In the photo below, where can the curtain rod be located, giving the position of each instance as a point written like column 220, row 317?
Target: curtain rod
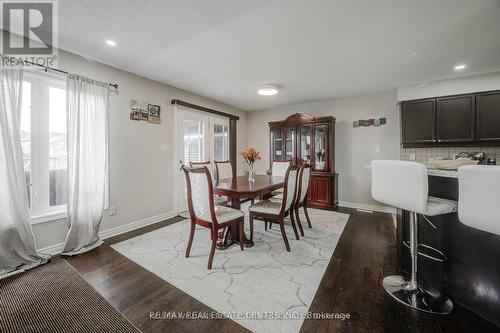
column 114, row 85
column 202, row 108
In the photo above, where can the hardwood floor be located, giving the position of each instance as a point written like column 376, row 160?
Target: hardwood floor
column 366, row 252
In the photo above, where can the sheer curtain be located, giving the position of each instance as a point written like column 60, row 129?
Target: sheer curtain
column 87, row 102
column 17, row 243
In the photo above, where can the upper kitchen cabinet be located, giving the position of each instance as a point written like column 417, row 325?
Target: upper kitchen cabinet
column 488, row 116
column 455, row 118
column 444, row 121
column 418, row 119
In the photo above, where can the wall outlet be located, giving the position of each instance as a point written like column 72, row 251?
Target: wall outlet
column 412, row 157
column 112, row 210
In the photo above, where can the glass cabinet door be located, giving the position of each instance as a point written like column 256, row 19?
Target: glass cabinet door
column 320, row 147
column 305, row 144
column 289, row 143
column 277, row 145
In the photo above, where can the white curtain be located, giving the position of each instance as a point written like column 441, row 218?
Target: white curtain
column 87, row 104
column 17, row 243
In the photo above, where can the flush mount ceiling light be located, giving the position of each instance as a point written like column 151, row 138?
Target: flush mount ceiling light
column 460, row 67
column 267, row 90
column 111, row 42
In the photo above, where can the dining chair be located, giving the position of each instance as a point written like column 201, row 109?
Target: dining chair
column 207, row 164
column 279, row 168
column 274, row 212
column 304, row 176
column 218, row 199
column 223, row 169
column 203, row 212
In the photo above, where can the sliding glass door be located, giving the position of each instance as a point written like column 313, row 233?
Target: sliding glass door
column 219, row 137
column 200, row 138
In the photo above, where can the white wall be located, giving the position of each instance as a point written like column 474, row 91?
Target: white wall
column 141, row 174
column 456, row 86
column 354, row 147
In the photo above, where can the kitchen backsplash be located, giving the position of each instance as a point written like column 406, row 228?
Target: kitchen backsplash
column 422, row 155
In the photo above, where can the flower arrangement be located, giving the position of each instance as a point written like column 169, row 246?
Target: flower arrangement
column 250, row 155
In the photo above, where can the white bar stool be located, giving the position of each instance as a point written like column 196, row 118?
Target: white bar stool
column 404, row 185
column 479, row 197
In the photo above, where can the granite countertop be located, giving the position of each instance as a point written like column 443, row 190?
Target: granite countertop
column 442, row 173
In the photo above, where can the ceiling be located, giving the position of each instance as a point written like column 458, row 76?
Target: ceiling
column 313, row 49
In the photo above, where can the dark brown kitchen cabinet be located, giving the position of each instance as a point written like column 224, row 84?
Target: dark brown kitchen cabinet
column 418, row 119
column 301, row 138
column 488, row 116
column 444, row 121
column 455, row 118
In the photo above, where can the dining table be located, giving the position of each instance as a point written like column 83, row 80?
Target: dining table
column 239, row 189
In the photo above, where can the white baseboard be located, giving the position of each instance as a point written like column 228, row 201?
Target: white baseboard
column 108, row 233
column 52, row 249
column 135, row 225
column 354, row 205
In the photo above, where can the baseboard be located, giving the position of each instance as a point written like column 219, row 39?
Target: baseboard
column 108, row 233
column 52, row 249
column 135, row 225
column 375, row 208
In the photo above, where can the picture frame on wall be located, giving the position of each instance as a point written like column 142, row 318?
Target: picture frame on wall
column 154, row 113
column 140, row 110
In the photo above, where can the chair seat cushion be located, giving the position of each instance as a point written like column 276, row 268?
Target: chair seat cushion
column 278, row 196
column 266, row 207
column 275, row 199
column 439, row 206
column 226, row 214
column 220, row 201
column 277, row 192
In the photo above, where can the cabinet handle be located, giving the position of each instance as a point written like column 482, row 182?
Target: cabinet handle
column 439, row 140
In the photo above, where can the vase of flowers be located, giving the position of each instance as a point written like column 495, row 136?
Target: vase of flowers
column 250, row 155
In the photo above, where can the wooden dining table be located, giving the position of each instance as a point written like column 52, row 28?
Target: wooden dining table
column 239, row 189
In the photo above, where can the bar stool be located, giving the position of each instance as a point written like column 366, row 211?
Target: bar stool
column 479, row 196
column 404, row 185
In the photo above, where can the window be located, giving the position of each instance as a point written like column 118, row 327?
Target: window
column 221, row 142
column 44, row 142
column 193, row 141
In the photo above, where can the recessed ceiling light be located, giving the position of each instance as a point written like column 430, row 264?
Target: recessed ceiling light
column 459, row 67
column 267, row 90
column 111, row 42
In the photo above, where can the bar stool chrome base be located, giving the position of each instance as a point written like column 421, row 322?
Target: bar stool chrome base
column 425, row 299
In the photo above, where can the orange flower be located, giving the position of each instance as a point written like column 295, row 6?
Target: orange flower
column 250, row 155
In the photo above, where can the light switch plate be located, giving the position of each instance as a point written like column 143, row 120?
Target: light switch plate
column 412, row 157
column 112, row 210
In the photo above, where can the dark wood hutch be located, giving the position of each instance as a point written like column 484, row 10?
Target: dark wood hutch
column 301, row 138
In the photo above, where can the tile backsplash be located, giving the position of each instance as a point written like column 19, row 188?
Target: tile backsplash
column 422, row 155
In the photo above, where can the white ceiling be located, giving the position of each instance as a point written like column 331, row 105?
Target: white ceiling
column 313, row 49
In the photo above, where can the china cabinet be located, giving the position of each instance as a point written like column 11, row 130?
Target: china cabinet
column 301, row 138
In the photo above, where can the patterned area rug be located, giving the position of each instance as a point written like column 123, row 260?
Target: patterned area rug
column 54, row 298
column 263, row 288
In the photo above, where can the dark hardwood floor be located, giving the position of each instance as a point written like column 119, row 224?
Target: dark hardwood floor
column 366, row 252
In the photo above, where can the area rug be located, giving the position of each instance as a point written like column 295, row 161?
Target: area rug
column 263, row 288
column 54, row 298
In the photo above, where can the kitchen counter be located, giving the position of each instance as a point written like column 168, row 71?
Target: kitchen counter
column 442, row 173
column 471, row 274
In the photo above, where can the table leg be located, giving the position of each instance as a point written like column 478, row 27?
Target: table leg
column 231, row 235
